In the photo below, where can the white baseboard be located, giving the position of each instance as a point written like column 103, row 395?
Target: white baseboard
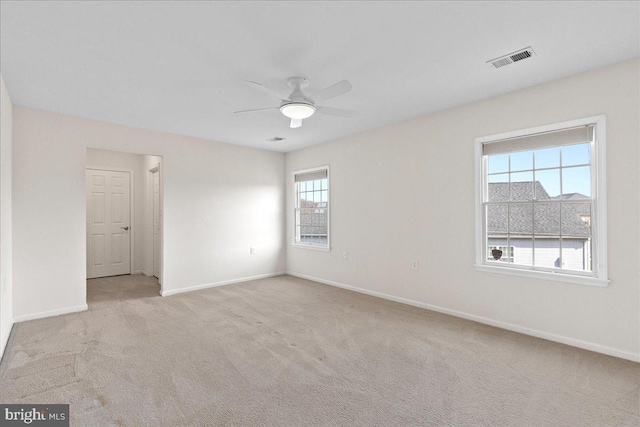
column 50, row 313
column 144, row 273
column 216, row 284
column 598, row 348
column 3, row 344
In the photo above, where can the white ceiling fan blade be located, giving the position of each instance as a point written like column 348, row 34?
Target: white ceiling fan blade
column 339, row 112
column 256, row 109
column 295, row 123
column 268, row 90
column 332, row 91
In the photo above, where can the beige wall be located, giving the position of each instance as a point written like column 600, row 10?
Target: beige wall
column 6, row 284
column 219, row 200
column 406, row 192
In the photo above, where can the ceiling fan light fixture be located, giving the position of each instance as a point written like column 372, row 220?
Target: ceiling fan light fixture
column 298, row 110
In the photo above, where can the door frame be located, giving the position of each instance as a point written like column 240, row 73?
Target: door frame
column 150, row 172
column 132, row 219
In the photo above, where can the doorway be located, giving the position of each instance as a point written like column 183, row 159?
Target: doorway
column 123, row 220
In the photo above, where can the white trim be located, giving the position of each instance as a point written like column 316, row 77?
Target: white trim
column 586, row 345
column 599, row 197
column 144, row 273
column 544, row 275
column 50, row 313
column 3, row 345
column 221, row 283
column 312, row 246
column 108, row 168
column 327, row 247
column 132, row 217
column 150, row 172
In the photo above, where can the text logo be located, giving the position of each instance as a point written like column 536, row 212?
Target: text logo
column 34, row 415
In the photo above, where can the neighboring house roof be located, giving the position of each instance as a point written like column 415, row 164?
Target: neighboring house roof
column 543, row 217
column 499, row 191
column 571, row 196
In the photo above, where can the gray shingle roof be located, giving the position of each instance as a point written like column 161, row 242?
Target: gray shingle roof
column 539, row 218
column 499, row 191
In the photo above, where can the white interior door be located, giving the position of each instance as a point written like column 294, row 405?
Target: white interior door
column 108, row 223
column 156, row 224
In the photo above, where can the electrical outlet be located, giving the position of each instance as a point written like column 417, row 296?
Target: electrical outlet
column 252, row 251
column 345, row 255
column 414, row 264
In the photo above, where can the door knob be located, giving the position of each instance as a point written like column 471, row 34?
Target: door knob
column 125, row 228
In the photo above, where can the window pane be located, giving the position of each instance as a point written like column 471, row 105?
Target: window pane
column 522, row 161
column 324, row 184
column 522, row 186
column 547, row 184
column 320, row 222
column 521, row 218
column 498, row 188
column 306, row 219
column 576, row 182
column 547, row 252
column 547, row 158
column 324, row 196
column 576, row 254
column 576, row 219
column 317, row 184
column 546, row 218
column 498, row 251
column 497, row 218
column 522, row 250
column 576, row 154
column 499, row 163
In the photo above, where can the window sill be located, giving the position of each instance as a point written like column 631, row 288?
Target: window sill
column 544, row 275
column 312, row 247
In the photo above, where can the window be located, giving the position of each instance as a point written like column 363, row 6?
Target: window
column 312, row 208
column 541, row 202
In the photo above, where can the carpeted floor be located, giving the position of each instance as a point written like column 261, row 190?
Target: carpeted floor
column 290, row 352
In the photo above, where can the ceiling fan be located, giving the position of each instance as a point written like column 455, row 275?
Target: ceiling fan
column 298, row 106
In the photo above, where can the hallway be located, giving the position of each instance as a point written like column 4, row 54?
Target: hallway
column 103, row 291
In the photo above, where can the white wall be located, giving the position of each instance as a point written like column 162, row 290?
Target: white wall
column 406, row 192
column 219, row 200
column 6, row 284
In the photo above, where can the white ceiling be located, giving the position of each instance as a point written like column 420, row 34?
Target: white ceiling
column 178, row 67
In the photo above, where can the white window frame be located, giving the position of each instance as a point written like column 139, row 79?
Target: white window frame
column 599, row 275
column 313, row 246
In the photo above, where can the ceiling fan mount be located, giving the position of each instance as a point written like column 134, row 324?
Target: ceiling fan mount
column 298, row 82
column 297, row 106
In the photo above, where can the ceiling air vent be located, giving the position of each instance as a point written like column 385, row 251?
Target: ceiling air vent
column 276, row 139
column 510, row 58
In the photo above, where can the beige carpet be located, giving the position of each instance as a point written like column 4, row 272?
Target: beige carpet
column 289, row 352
